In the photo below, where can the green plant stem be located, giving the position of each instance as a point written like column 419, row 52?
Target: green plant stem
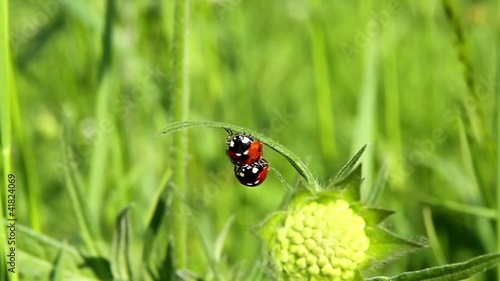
column 392, row 107
column 103, row 116
column 291, row 157
column 5, row 126
column 497, row 95
column 432, row 235
column 28, row 154
column 324, row 107
column 180, row 112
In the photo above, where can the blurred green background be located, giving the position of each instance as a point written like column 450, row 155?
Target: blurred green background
column 412, row 78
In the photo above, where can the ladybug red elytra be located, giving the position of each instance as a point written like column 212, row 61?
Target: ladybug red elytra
column 243, row 149
column 252, row 174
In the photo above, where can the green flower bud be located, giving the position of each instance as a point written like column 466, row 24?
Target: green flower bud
column 327, row 241
column 326, row 233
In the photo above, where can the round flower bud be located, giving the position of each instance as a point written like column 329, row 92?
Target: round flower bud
column 327, row 241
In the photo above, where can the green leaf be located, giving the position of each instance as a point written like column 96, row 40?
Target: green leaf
column 377, row 189
column 45, row 255
column 213, row 253
column 385, row 245
column 208, row 251
column 221, row 239
column 57, row 272
column 79, row 200
column 350, row 185
column 374, row 216
column 450, row 272
column 120, row 263
column 349, row 165
column 358, row 276
column 157, row 215
column 291, row 157
column 267, row 229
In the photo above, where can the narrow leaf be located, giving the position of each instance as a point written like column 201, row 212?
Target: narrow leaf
column 385, row 245
column 351, row 184
column 157, row 216
column 374, row 216
column 350, row 164
column 377, row 189
column 57, row 274
column 450, row 272
column 291, row 157
column 221, row 239
column 41, row 269
column 76, row 191
column 121, row 250
column 40, row 252
column 208, row 251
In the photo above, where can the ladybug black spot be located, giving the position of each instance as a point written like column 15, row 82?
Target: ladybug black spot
column 252, row 174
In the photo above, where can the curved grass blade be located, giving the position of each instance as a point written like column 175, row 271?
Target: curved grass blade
column 121, row 265
column 291, row 157
column 450, row 272
column 57, row 274
column 49, row 259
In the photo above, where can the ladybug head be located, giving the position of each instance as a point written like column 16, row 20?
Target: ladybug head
column 239, row 143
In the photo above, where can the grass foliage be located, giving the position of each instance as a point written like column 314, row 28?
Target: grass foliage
column 85, row 85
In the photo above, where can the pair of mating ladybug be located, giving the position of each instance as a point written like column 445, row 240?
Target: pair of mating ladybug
column 246, row 154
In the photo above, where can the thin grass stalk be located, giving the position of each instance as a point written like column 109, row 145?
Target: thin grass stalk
column 364, row 130
column 479, row 149
column 75, row 190
column 366, row 119
column 497, row 95
column 324, row 106
column 104, row 118
column 437, row 249
column 392, row 105
column 6, row 130
column 180, row 112
column 28, row 155
column 476, row 117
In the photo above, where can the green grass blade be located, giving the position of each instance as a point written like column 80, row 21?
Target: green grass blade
column 291, row 157
column 467, row 209
column 497, row 95
column 392, row 116
column 364, row 130
column 209, row 254
column 121, row 249
column 75, row 189
column 156, row 216
column 451, row 272
column 221, row 239
column 324, row 105
column 5, row 125
column 104, row 118
column 107, row 39
column 42, row 253
column 180, row 110
column 433, row 237
column 57, row 271
column 378, row 188
column 28, row 155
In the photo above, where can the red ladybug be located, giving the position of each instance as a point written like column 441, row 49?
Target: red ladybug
column 252, row 174
column 243, row 149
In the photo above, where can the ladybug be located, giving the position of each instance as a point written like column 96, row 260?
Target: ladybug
column 243, row 149
column 252, row 174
